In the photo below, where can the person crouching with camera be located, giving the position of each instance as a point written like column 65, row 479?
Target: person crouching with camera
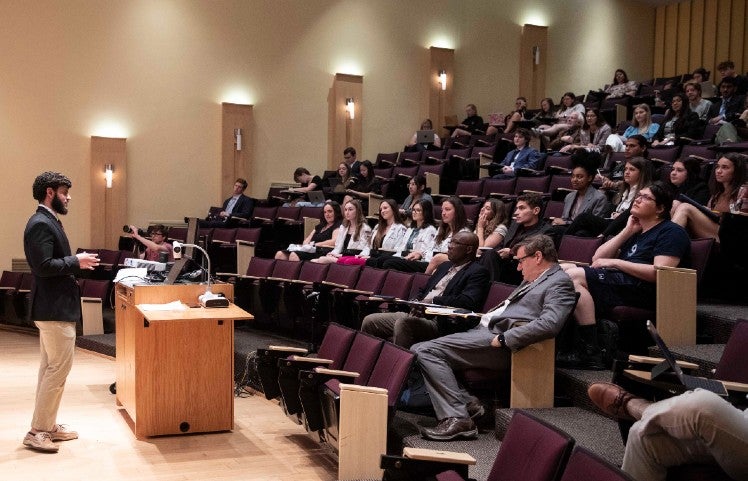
column 156, row 248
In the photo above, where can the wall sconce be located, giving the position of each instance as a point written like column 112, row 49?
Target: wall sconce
column 108, row 172
column 350, row 107
column 238, row 139
column 443, row 79
column 536, row 55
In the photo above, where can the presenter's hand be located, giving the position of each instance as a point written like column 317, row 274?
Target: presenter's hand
column 86, row 260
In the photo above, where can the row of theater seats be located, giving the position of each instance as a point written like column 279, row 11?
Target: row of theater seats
column 16, row 303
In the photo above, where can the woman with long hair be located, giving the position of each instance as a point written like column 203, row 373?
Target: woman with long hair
column 453, row 221
column 621, row 85
column 325, row 234
column 685, row 178
column 386, row 236
column 641, row 124
column 418, row 240
column 568, row 106
column 520, row 108
column 353, row 234
column 727, row 185
column 416, row 192
column 679, row 122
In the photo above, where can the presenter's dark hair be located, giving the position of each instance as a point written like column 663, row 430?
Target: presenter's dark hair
column 48, row 179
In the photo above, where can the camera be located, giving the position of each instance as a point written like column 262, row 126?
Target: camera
column 141, row 232
column 177, row 249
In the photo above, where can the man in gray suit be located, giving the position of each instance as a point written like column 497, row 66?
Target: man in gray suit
column 55, row 305
column 535, row 311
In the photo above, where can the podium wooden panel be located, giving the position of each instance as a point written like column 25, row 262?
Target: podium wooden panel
column 175, row 369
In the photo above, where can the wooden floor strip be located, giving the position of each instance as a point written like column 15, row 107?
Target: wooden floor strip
column 264, row 445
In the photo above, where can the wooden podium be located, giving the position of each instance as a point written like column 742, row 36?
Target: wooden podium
column 175, row 369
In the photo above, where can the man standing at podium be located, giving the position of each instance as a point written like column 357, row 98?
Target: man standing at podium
column 55, row 305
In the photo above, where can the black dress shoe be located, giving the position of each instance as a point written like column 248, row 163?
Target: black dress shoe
column 451, row 428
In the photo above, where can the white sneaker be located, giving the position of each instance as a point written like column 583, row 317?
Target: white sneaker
column 62, row 432
column 40, row 442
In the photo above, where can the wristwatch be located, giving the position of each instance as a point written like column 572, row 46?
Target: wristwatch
column 502, row 341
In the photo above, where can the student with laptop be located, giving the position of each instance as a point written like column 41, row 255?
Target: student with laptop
column 311, row 187
column 697, row 426
column 425, row 138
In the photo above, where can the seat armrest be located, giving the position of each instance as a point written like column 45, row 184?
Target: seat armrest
column 357, row 292
column 289, row 349
column 244, row 242
column 656, row 360
column 336, row 372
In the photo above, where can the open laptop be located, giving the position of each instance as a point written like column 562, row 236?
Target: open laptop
column 316, row 196
column 691, row 382
column 175, row 270
column 425, row 137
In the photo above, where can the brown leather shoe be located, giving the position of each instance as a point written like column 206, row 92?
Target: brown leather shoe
column 611, row 399
column 451, row 428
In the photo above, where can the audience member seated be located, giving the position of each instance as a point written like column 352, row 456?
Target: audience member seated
column 526, row 223
column 635, row 146
column 490, row 229
column 726, row 70
column 343, row 179
column 568, row 106
column 679, row 122
column 520, row 107
column 725, row 184
column 453, row 220
column 621, row 86
column 436, row 143
column 594, row 133
column 641, row 125
column 238, row 206
column 349, row 157
column 698, row 105
column 366, row 183
column 727, row 110
column 308, row 183
column 535, row 311
column 419, row 238
column 523, row 156
column 387, row 235
column 697, row 426
column 473, row 123
column 547, row 111
column 637, row 174
column 685, row 178
column 623, row 268
column 156, row 248
column 416, row 192
column 325, row 234
column 585, row 199
column 461, row 283
column 701, row 77
column 353, row 234
column 569, row 136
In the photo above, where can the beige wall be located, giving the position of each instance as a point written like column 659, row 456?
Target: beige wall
column 156, row 71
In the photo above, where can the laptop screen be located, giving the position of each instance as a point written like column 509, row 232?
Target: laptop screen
column 425, row 137
column 665, row 351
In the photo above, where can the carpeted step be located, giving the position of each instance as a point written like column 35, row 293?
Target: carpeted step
column 595, row 432
column 101, row 343
column 716, row 321
column 573, row 383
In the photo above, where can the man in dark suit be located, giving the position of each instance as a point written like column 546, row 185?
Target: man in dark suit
column 731, row 104
column 522, row 157
column 55, row 305
column 238, row 206
column 460, row 282
column 535, row 311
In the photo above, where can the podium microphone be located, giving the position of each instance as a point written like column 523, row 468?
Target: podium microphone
column 208, row 299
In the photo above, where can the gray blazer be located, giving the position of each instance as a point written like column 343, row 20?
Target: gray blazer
column 537, row 312
column 594, row 202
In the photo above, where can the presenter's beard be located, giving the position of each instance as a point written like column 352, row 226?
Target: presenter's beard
column 58, row 206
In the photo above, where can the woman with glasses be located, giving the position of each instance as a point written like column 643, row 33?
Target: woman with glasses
column 417, row 241
column 594, row 133
column 156, row 245
column 623, row 270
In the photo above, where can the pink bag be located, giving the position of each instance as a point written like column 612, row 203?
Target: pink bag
column 351, row 261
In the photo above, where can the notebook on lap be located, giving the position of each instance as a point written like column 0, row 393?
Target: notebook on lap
column 691, row 382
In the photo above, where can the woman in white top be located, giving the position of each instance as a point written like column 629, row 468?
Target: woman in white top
column 568, row 106
column 418, row 239
column 490, row 229
column 353, row 234
column 387, row 234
